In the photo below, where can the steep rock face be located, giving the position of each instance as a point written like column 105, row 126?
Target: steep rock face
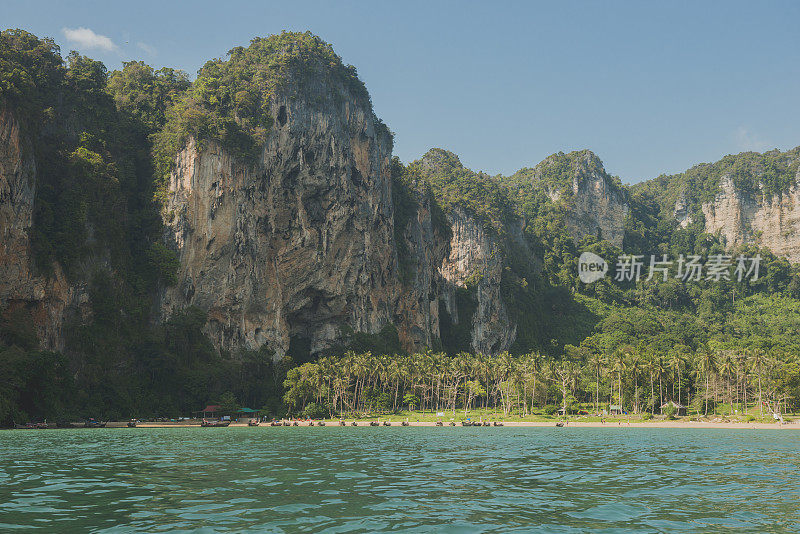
column 597, row 208
column 471, row 256
column 476, row 259
column 597, row 211
column 769, row 221
column 594, row 203
column 47, row 299
column 299, row 244
column 417, row 307
column 681, row 211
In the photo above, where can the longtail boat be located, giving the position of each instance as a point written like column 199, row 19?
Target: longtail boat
column 32, row 426
column 93, row 423
column 214, row 424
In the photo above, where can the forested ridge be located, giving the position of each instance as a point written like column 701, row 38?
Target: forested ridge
column 104, row 142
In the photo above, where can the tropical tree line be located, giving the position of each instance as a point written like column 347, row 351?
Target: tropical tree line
column 628, row 380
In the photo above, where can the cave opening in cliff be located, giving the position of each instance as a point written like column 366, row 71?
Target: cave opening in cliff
column 282, row 115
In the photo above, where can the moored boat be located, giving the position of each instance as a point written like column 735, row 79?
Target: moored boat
column 252, row 423
column 132, row 423
column 32, row 426
column 214, row 424
column 94, row 423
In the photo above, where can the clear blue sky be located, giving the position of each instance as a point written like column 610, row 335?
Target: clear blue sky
column 651, row 87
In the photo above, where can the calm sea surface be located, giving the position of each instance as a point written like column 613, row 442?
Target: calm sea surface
column 399, row 479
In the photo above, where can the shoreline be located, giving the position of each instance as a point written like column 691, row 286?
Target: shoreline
column 509, row 424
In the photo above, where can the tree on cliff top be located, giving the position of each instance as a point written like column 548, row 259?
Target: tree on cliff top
column 231, row 100
column 30, row 70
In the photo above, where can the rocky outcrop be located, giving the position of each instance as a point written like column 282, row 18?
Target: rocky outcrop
column 469, row 257
column 298, row 245
column 681, row 211
column 596, row 206
column 476, row 261
column 769, row 221
column 47, row 299
column 594, row 203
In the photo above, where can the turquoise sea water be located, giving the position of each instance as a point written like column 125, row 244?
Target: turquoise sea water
column 369, row 479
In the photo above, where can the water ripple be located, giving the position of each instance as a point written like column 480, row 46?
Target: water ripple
column 409, row 479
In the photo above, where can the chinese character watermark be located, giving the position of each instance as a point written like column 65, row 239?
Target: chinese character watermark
column 631, row 268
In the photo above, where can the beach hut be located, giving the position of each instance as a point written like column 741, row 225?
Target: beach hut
column 615, row 409
column 245, row 415
column 680, row 409
column 209, row 411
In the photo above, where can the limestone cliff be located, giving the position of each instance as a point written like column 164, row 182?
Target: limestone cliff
column 747, row 198
column 422, row 246
column 474, row 257
column 597, row 207
column 47, row 298
column 771, row 221
column 476, row 261
column 298, row 245
column 594, row 203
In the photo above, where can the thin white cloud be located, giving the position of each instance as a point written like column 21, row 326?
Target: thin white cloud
column 148, row 49
column 750, row 141
column 86, row 38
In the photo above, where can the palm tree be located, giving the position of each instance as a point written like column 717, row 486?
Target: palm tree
column 596, row 360
column 707, row 364
column 758, row 366
column 620, row 364
column 726, row 368
column 675, row 362
column 743, row 376
column 634, row 363
column 660, row 369
column 564, row 372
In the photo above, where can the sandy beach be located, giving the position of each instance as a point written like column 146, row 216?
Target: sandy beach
column 511, row 424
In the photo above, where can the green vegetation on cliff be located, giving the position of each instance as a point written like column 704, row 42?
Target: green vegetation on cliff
column 89, row 134
column 232, row 100
column 752, row 174
column 95, row 218
column 456, row 186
